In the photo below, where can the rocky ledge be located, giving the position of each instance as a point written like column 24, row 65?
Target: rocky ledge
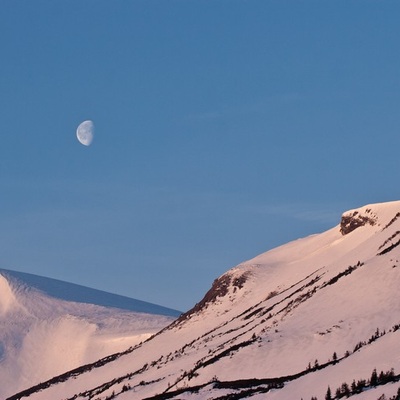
column 354, row 219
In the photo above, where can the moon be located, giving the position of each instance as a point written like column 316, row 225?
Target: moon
column 85, row 132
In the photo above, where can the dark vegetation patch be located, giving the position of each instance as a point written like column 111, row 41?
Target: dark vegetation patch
column 346, row 390
column 390, row 248
column 227, row 352
column 75, row 372
column 347, row 271
column 389, row 239
column 392, row 220
column 248, row 387
column 260, row 311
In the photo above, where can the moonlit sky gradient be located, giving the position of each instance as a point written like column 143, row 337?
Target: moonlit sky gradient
column 223, row 129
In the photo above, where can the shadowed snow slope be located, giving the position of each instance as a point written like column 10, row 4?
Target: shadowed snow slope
column 317, row 312
column 49, row 326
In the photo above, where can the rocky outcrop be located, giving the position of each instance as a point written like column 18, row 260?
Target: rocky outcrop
column 353, row 220
column 220, row 288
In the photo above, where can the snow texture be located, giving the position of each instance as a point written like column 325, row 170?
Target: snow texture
column 317, row 312
column 49, row 326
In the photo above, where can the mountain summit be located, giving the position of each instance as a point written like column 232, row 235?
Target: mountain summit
column 318, row 317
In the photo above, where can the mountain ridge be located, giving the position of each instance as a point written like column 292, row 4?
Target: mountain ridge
column 78, row 293
column 316, row 312
column 42, row 335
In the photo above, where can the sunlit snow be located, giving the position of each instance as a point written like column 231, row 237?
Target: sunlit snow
column 48, row 327
column 318, row 311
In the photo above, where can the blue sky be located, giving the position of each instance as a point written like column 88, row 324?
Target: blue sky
column 223, row 129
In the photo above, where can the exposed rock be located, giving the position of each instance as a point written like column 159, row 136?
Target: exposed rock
column 354, row 220
column 219, row 288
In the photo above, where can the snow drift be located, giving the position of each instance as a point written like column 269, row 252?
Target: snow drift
column 49, row 326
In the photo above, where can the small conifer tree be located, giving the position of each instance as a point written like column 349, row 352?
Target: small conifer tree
column 345, row 389
column 374, row 378
column 353, row 387
column 328, row 395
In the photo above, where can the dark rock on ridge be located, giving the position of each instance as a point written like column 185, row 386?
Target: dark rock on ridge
column 354, row 220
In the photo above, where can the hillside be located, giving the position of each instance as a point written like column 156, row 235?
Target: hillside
column 317, row 312
column 48, row 326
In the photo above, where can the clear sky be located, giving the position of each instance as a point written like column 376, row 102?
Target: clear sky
column 223, row 129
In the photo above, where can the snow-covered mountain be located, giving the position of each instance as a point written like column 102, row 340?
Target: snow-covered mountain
column 319, row 312
column 48, row 326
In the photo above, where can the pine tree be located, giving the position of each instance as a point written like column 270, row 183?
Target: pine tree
column 390, row 375
column 353, row 387
column 374, row 378
column 345, row 389
column 328, row 395
column 361, row 385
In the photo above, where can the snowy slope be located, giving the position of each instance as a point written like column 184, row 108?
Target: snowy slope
column 48, row 327
column 82, row 294
column 319, row 311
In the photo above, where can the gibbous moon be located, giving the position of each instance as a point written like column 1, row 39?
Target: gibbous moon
column 85, row 132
